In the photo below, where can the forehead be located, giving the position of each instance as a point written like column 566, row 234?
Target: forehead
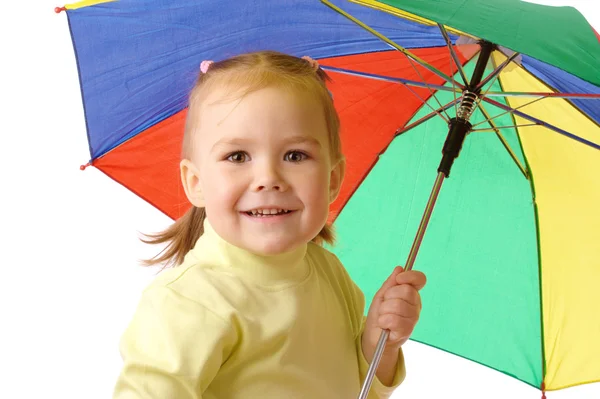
column 266, row 112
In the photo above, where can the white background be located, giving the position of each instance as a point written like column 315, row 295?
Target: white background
column 69, row 277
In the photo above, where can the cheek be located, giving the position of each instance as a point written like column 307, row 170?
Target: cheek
column 222, row 187
column 315, row 186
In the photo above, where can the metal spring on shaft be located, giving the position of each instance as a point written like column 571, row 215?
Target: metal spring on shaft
column 467, row 105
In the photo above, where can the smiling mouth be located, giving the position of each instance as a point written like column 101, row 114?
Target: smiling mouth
column 265, row 213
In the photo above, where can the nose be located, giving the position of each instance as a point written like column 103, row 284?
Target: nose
column 268, row 177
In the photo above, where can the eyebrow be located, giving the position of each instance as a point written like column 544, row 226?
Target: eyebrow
column 241, row 142
column 228, row 141
column 304, row 140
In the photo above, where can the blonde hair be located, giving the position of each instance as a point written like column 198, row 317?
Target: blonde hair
column 244, row 74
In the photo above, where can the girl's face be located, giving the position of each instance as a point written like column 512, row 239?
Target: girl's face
column 261, row 167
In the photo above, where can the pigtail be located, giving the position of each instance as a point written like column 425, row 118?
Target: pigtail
column 326, row 235
column 181, row 237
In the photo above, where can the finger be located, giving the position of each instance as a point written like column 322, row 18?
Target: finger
column 412, row 277
column 405, row 292
column 389, row 282
column 399, row 307
column 400, row 325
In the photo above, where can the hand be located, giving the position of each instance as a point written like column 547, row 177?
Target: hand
column 395, row 307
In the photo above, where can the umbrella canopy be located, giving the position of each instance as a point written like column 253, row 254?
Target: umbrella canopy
column 512, row 252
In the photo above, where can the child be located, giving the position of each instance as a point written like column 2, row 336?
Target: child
column 256, row 307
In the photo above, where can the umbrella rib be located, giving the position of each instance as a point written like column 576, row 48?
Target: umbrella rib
column 426, row 117
column 386, row 78
column 399, row 132
column 540, row 122
column 407, row 53
column 557, row 91
column 496, row 73
column 581, row 96
column 431, row 91
column 503, row 127
column 376, row 5
column 453, row 54
column 555, row 94
column 454, row 92
column 536, row 214
column 503, row 141
column 397, row 80
column 507, row 111
column 425, row 102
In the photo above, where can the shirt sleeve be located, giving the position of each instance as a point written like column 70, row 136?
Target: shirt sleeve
column 357, row 303
column 172, row 348
column 378, row 389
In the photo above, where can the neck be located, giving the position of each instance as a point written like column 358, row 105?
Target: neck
column 267, row 270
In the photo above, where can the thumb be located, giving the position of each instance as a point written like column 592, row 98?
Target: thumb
column 389, row 282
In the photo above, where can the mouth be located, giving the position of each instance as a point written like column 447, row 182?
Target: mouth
column 267, row 212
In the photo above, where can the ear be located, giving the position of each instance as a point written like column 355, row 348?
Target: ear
column 190, row 179
column 336, row 178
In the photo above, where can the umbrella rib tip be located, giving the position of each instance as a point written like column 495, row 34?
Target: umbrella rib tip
column 58, row 10
column 84, row 167
column 543, row 388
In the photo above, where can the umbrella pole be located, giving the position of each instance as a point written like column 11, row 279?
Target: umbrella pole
column 459, row 127
column 408, row 266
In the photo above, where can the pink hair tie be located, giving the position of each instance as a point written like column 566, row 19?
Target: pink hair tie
column 314, row 64
column 205, row 65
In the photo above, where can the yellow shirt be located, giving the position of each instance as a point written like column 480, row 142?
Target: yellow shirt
column 230, row 324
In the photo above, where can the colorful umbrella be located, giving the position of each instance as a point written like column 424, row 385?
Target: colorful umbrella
column 511, row 251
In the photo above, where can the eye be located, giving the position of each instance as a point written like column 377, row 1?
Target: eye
column 238, row 157
column 295, row 156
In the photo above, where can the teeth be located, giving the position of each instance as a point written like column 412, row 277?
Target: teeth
column 265, row 212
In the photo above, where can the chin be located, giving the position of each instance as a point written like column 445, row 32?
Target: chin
column 276, row 247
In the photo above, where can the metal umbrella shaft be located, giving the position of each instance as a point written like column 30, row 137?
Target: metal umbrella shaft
column 409, row 264
column 459, row 127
